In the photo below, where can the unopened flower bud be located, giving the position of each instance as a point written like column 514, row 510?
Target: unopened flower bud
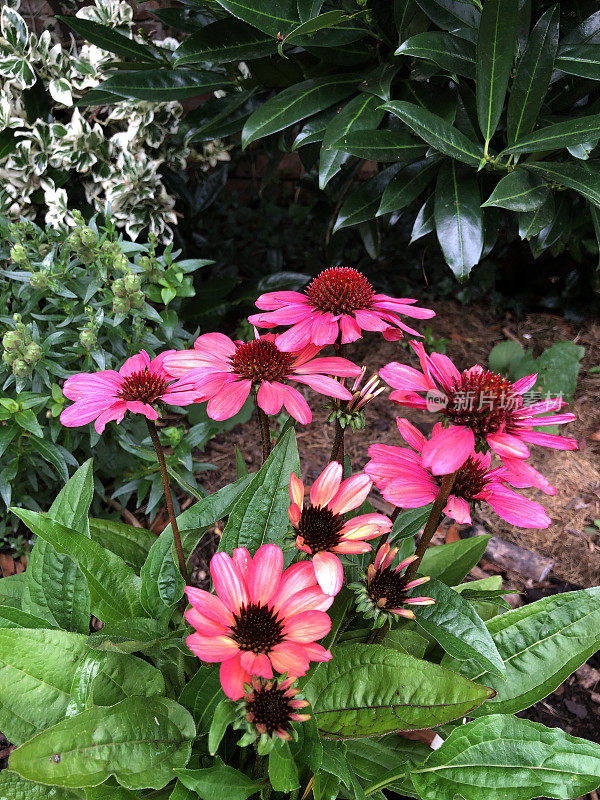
column 88, row 237
column 120, row 261
column 21, row 369
column 39, row 280
column 137, row 299
column 88, row 338
column 118, row 288
column 32, row 353
column 18, row 254
column 132, row 283
column 10, row 356
column 11, row 340
column 121, row 305
column 145, row 262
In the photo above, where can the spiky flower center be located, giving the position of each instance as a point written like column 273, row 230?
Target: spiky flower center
column 257, row 628
column 260, row 360
column 472, row 478
column 320, row 528
column 387, row 588
column 340, row 290
column 482, row 401
column 270, row 707
column 144, row 386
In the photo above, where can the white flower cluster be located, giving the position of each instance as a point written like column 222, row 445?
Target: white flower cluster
column 113, row 153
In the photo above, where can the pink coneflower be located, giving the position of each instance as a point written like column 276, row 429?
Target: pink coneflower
column 268, row 710
column 263, row 618
column 404, row 479
column 384, row 594
column 339, row 301
column 106, row 395
column 322, row 531
column 224, row 372
column 480, row 403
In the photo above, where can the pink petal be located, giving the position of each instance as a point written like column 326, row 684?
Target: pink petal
column 265, row 573
column 549, row 440
column 325, row 329
column 307, row 626
column 445, row 452
column 243, row 561
column 311, row 599
column 326, row 485
column 411, row 435
column 116, row 412
column 413, row 491
column 353, row 547
column 516, row 509
column 329, row 572
column 138, row 363
column 229, row 402
column 331, row 365
column 290, row 657
column 273, row 300
column 369, row 320
column 520, row 474
column 209, row 605
column 296, row 405
column 294, row 579
column 505, row 444
column 233, row 677
column 92, row 385
column 408, row 379
column 137, row 407
column 228, row 582
column 350, row 329
column 270, row 399
column 352, row 493
column 296, row 490
column 296, row 337
column 204, row 625
column 525, row 384
column 211, row 648
column 294, row 514
column 316, row 652
column 395, row 334
column 82, row 412
column 256, row 664
column 207, row 384
column 323, row 384
column 553, row 419
column 458, row 509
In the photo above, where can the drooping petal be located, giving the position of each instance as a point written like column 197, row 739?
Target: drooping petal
column 505, row 444
column 269, row 398
column 329, row 572
column 233, row 677
column 549, row 440
column 521, row 474
column 411, row 435
column 227, row 404
column 405, row 378
column 296, row 405
column 458, row 509
column 290, row 657
column 116, row 412
column 350, row 329
column 256, row 664
column 516, row 509
column 323, row 384
column 82, row 412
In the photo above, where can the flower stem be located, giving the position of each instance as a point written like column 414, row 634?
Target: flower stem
column 431, row 526
column 337, row 451
column 160, row 455
column 377, row 635
column 264, row 430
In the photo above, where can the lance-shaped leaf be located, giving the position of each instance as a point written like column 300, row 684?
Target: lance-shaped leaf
column 361, row 112
column 307, row 9
column 518, row 191
column 223, row 41
column 448, row 52
column 458, row 218
column 164, row 85
column 496, row 42
column 14, row 787
column 210, row 782
column 126, row 541
column 162, row 583
column 533, row 222
column 272, row 17
column 453, row 622
column 501, row 756
column 424, row 221
column 314, row 128
column 533, row 76
column 361, row 205
column 452, row 14
column 451, row 562
column 405, row 187
column 202, row 695
column 328, row 20
column 541, row 644
column 381, row 145
column 583, row 60
column 295, row 103
column 140, row 741
column 370, row 690
column 561, row 134
column 581, row 178
column 437, row 132
column 109, row 39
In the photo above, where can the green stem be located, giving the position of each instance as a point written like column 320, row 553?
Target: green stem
column 265, row 434
column 160, row 455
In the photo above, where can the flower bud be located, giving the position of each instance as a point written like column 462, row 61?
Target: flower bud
column 18, row 254
column 10, row 356
column 145, row 262
column 120, row 261
column 121, row 305
column 32, row 353
column 88, row 237
column 118, row 288
column 88, row 338
column 132, row 283
column 39, row 280
column 11, row 340
column 21, row 368
column 137, row 299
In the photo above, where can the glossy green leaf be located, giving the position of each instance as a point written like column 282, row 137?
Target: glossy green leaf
column 379, row 82
column 450, row 563
column 202, row 695
column 359, row 113
column 437, row 132
column 405, row 187
column 307, row 750
column 140, row 741
column 373, row 759
column 224, row 714
column 164, row 85
column 11, row 590
column 533, row 222
column 295, row 103
column 109, row 39
column 14, row 787
column 11, row 617
column 424, row 221
column 260, row 515
column 370, row 690
column 126, row 541
column 496, row 41
column 406, row 640
column 518, row 191
column 223, row 41
column 362, row 204
column 271, row 16
column 114, row 587
column 583, row 60
column 458, row 218
column 211, row 782
column 541, row 644
column 283, row 773
column 314, row 129
column 500, row 757
column 162, row 583
column 326, row 21
column 582, row 179
column 307, row 9
column 381, row 145
column 46, row 675
column 561, row 134
column 452, row 14
column 453, row 623
column 131, row 635
column 533, row 76
column 448, row 52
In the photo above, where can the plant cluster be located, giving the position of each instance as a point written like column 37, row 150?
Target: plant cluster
column 115, row 149
column 330, row 630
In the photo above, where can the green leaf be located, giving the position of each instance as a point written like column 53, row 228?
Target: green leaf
column 313, row 129
column 458, row 218
column 558, row 368
column 406, row 640
column 140, row 741
column 541, row 644
column 14, row 787
column 437, row 132
column 131, row 635
column 283, row 773
column 424, row 221
column 518, row 191
column 500, row 757
column 409, row 523
column 164, row 85
column 27, row 420
column 335, row 762
column 126, row 541
column 451, row 14
column 271, row 16
column 114, row 587
column 223, row 41
column 533, row 222
column 307, row 750
column 260, row 515
column 110, row 791
column 496, row 42
column 225, row 714
column 362, row 204
column 505, row 356
column 381, row 145
column 583, row 60
column 11, row 590
column 407, row 185
column 373, row 759
column 370, row 690
column 11, row 617
column 109, row 39
column 450, row 563
column 533, row 76
column 561, row 134
column 448, row 52
column 202, row 695
column 46, row 675
column 328, row 20
column 359, row 113
column 307, row 9
column 581, row 178
column 162, row 582
column 453, row 623
column 72, row 504
column 211, row 782
column 295, row 103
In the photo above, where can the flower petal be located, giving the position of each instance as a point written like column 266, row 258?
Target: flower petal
column 352, row 494
column 265, row 573
column 326, row 485
column 307, row 626
column 228, row 403
column 329, row 572
column 233, row 677
column 210, row 605
column 294, row 579
column 447, row 450
column 211, row 648
column 290, row 657
column 228, row 582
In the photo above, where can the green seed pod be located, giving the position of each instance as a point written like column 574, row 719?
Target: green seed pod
column 132, row 283
column 32, row 353
column 18, row 254
column 21, row 369
column 11, row 340
column 88, row 338
column 121, row 305
column 118, row 288
column 39, row 280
